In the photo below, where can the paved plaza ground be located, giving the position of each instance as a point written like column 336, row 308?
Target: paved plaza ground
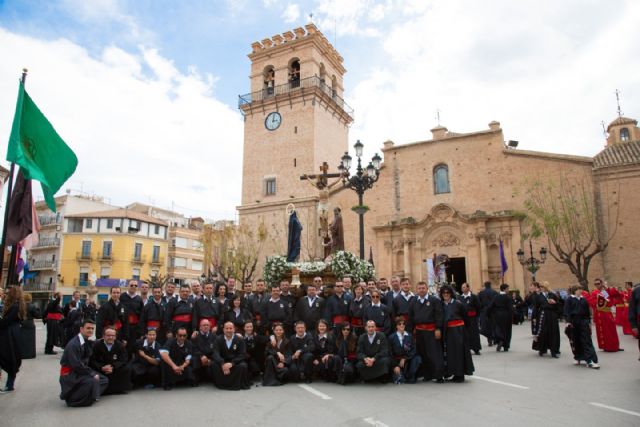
column 517, row 388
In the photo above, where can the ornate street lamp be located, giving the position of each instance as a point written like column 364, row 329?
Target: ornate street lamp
column 532, row 264
column 363, row 180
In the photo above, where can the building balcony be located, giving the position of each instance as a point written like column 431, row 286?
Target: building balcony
column 78, row 282
column 157, row 260
column 47, row 242
column 140, row 259
column 42, row 264
column 83, row 256
column 293, row 88
column 105, row 257
column 38, row 287
column 48, row 220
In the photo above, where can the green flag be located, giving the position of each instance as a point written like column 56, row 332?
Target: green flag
column 36, row 146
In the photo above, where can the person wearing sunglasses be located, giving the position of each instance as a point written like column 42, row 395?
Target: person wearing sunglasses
column 373, row 355
column 455, row 343
column 378, row 313
column 176, row 361
column 346, row 347
column 338, row 306
column 133, row 306
column 405, row 361
column 425, row 316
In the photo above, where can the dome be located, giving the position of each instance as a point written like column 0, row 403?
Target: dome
column 622, row 121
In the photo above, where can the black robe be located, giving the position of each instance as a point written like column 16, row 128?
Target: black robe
column 273, row 375
column 323, row 346
column 178, row 314
column 236, row 354
column 238, row 319
column 356, row 314
column 55, row 330
column 501, row 311
column 485, row 297
column 142, row 371
column 78, row 386
column 203, row 345
column 276, row 312
column 301, row 369
column 152, row 317
column 210, row 309
column 578, row 315
column 178, row 354
column 347, row 352
column 110, row 314
column 378, row 349
column 337, row 309
column 309, row 315
column 255, row 346
column 10, row 341
column 457, row 354
column 404, row 349
column 120, row 378
column 400, row 307
column 134, row 307
column 548, row 333
column 472, row 306
column 72, row 323
column 425, row 318
column 379, row 314
column 28, row 332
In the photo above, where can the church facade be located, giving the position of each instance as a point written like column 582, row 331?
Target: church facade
column 454, row 194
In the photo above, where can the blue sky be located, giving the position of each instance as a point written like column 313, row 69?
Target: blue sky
column 146, row 91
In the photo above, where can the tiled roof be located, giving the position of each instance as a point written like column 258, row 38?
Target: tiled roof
column 624, row 153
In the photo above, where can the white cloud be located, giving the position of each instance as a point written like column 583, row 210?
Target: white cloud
column 141, row 128
column 544, row 71
column 291, row 13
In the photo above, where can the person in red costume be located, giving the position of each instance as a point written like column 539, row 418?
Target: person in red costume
column 622, row 309
column 601, row 300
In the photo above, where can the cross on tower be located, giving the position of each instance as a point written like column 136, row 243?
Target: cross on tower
column 618, row 102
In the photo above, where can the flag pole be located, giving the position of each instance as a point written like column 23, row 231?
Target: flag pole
column 3, row 245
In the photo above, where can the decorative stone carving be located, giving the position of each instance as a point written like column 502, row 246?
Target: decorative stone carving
column 446, row 239
column 442, row 212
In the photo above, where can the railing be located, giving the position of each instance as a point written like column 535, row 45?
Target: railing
column 106, row 257
column 83, row 256
column 38, row 287
column 140, row 259
column 47, row 242
column 292, row 86
column 78, row 282
column 157, row 260
column 48, row 220
column 41, row 264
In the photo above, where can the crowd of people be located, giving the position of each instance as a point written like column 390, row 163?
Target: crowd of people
column 341, row 332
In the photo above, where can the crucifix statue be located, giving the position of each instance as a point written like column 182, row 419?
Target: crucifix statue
column 321, row 182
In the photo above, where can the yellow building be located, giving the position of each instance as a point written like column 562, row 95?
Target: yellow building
column 118, row 244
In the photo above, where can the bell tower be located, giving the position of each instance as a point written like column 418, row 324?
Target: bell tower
column 295, row 118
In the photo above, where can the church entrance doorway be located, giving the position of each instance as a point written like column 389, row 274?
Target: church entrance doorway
column 457, row 271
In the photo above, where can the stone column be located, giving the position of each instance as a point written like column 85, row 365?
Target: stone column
column 484, row 257
column 406, row 257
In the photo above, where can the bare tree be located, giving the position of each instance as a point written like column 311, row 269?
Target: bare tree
column 577, row 218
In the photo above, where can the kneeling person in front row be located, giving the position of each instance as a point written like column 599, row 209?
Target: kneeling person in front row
column 302, row 348
column 110, row 358
column 203, row 342
column 373, row 354
column 145, row 368
column 176, row 361
column 79, row 384
column 230, row 370
column 405, row 361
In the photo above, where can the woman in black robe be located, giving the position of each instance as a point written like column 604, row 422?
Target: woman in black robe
column 457, row 353
column 10, row 342
column 28, row 331
column 52, row 317
column 501, row 308
column 356, row 309
column 324, row 354
column 518, row 308
column 347, row 351
column 237, row 314
column 255, row 346
column 548, row 333
column 221, row 295
column 278, row 358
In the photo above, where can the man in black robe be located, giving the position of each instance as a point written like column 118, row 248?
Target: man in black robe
column 486, row 321
column 208, row 307
column 133, row 305
column 379, row 313
column 302, row 348
column 78, row 304
column 290, row 299
column 179, row 312
column 80, row 385
column 501, row 311
column 169, row 293
column 275, row 311
column 309, row 308
column 337, row 307
column 52, row 317
column 472, row 307
column 203, row 345
column 457, row 360
column 548, row 332
column 176, row 357
column 256, row 304
column 113, row 314
column 110, row 358
column 145, row 368
column 425, row 314
column 400, row 305
column 152, row 316
column 230, row 370
column 373, row 355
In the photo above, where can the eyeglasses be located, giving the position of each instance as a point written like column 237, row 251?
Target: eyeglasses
column 375, row 297
column 339, row 286
column 133, row 286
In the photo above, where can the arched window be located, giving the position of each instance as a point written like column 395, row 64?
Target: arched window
column 269, row 80
column 294, row 73
column 334, row 86
column 624, row 134
column 323, row 75
column 441, row 179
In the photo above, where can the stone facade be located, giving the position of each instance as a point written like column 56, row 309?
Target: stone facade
column 409, row 219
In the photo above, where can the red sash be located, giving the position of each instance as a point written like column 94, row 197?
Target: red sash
column 340, row 319
column 357, row 322
column 54, row 316
column 425, row 327
column 153, row 324
column 65, row 370
column 133, row 319
column 117, row 325
column 405, row 317
column 212, row 320
column 352, row 356
column 472, row 313
column 257, row 316
column 378, row 329
column 186, row 318
column 455, row 323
